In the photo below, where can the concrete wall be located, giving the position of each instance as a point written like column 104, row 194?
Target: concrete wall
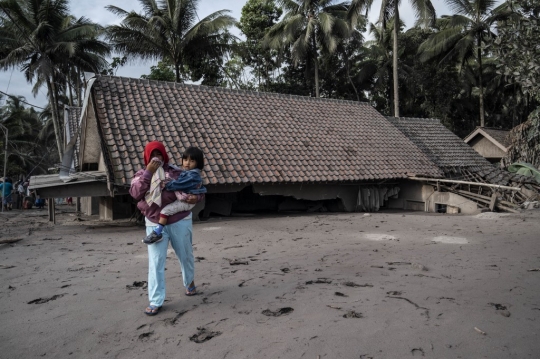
column 486, row 148
column 451, row 200
column 417, row 196
column 90, row 205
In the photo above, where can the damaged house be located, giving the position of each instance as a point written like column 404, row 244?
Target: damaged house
column 470, row 182
column 263, row 151
column 491, row 143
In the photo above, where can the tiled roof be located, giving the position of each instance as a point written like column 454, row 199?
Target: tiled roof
column 73, row 117
column 500, row 136
column 440, row 144
column 252, row 137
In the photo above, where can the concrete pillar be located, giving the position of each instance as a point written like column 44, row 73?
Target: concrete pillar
column 106, row 208
column 52, row 212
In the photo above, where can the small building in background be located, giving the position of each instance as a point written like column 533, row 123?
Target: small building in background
column 490, row 143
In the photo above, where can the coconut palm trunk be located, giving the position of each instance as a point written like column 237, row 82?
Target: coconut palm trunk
column 316, row 67
column 56, row 123
column 395, row 60
column 480, row 83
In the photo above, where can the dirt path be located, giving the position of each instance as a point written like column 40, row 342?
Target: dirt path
column 386, row 285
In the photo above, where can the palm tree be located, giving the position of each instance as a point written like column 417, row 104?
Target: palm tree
column 425, row 14
column 463, row 35
column 376, row 67
column 167, row 31
column 42, row 38
column 24, row 127
column 310, row 27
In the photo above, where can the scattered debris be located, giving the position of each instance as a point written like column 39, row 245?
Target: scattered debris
column 45, row 300
column 238, row 246
column 236, row 262
column 10, row 240
column 417, row 350
column 480, row 331
column 285, row 270
column 419, row 266
column 142, row 284
column 426, row 311
column 145, row 336
column 352, row 314
column 198, row 259
column 333, row 307
column 320, row 281
column 498, row 306
column 501, row 309
column 534, row 270
column 394, row 292
column 203, row 335
column 5, row 266
column 398, row 263
column 339, row 294
column 352, row 284
column 277, row 313
column 173, row 320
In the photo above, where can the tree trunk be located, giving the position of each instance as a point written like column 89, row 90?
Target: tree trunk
column 349, row 76
column 177, row 72
column 56, row 123
column 395, row 60
column 69, row 78
column 316, row 63
column 480, row 84
column 79, row 87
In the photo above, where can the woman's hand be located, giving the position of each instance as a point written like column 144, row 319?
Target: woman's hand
column 153, row 166
column 192, row 199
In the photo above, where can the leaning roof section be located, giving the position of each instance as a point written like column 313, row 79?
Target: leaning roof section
column 440, row 144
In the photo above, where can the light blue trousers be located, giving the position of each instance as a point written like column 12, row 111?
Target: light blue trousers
column 179, row 234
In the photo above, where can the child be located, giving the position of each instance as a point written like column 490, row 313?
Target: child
column 189, row 182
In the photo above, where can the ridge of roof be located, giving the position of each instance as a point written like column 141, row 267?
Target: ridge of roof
column 391, row 118
column 227, row 90
column 498, row 137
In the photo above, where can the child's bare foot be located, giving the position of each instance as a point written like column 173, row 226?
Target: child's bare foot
column 152, row 238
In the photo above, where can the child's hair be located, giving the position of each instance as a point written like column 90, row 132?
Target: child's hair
column 195, row 154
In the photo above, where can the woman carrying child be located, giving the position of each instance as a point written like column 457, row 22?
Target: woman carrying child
column 178, row 229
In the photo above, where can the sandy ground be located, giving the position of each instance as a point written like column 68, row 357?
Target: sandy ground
column 385, row 285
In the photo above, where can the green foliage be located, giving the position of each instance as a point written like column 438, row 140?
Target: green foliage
column 517, row 47
column 116, row 63
column 525, row 142
column 168, row 31
column 26, row 150
column 42, row 39
column 161, row 72
column 310, row 28
column 257, row 17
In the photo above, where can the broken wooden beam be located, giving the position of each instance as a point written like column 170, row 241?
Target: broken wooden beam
column 9, row 240
column 464, row 182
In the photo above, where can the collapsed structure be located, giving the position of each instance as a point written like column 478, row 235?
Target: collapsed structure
column 263, row 151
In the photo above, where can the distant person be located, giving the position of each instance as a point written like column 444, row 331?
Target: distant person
column 178, row 230
column 6, row 193
column 40, row 202
column 21, row 193
column 188, row 182
column 69, row 200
